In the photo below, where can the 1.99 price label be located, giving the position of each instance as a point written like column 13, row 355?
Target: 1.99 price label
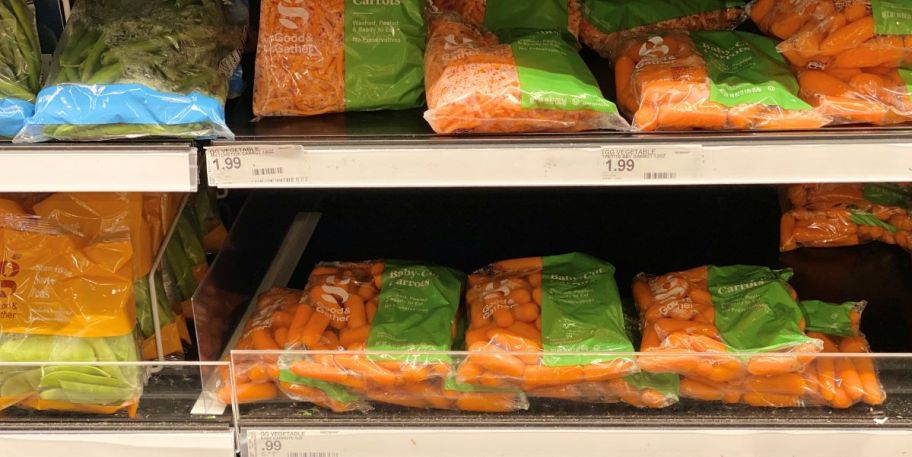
column 253, row 164
column 652, row 162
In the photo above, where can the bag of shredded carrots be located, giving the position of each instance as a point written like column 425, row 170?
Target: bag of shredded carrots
column 879, row 95
column 66, row 298
column 517, row 80
column 605, row 22
column 537, row 308
column 709, row 80
column 330, row 56
column 692, row 319
column 527, row 14
column 829, row 215
column 842, row 34
column 840, row 382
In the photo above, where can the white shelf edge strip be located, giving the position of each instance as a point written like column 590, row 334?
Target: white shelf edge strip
column 120, row 444
column 293, row 166
column 84, row 170
column 581, row 442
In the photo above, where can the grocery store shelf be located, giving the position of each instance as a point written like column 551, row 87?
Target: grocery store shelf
column 318, row 153
column 535, row 442
column 124, row 167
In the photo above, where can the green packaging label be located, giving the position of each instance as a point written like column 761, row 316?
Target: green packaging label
column 869, row 219
column 892, row 17
column 906, row 75
column 612, row 16
column 754, row 310
column 417, row 309
column 503, row 15
column 746, row 69
column 580, row 310
column 334, row 391
column 384, row 54
column 666, row 383
column 829, row 318
column 888, row 194
column 552, row 75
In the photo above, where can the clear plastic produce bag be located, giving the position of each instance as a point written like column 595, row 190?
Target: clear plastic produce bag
column 135, row 68
column 880, row 95
column 20, row 65
column 66, row 298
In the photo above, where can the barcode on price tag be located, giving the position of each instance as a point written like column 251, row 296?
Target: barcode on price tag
column 252, row 164
column 652, row 162
column 284, row 443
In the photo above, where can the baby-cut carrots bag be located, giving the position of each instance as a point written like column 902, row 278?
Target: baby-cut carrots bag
column 840, row 382
column 538, row 308
column 400, row 311
column 692, row 319
column 828, row 215
column 709, row 80
column 66, row 298
column 330, row 56
column 842, row 34
column 605, row 22
column 879, row 95
column 642, row 390
column 510, row 80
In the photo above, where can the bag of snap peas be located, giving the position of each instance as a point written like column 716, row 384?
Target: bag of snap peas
column 66, row 298
column 135, row 68
column 537, row 308
column 20, row 65
column 604, row 22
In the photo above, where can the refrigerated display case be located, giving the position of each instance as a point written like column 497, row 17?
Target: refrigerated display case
column 381, row 185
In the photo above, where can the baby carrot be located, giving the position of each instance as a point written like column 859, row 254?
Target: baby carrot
column 357, row 313
column 849, row 378
column 314, row 328
column 349, row 335
column 785, row 384
column 301, row 316
column 263, row 341
column 487, row 402
column 850, row 36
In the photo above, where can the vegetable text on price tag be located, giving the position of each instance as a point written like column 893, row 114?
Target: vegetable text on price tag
column 283, row 443
column 652, row 162
column 247, row 164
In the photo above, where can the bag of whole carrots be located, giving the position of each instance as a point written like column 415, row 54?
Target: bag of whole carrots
column 709, row 80
column 537, row 308
column 692, row 319
column 879, row 95
column 65, row 297
column 527, row 14
column 840, row 382
column 605, row 22
column 517, row 80
column 828, row 215
column 843, row 34
column 330, row 56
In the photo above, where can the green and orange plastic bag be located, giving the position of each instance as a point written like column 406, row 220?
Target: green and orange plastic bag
column 823, row 34
column 831, row 215
column 713, row 80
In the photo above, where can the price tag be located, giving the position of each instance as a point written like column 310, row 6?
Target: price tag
column 660, row 162
column 284, row 443
column 261, row 163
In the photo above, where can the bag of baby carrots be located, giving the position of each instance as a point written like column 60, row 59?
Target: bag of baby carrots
column 401, row 313
column 330, row 56
column 605, row 22
column 692, row 319
column 709, row 80
column 843, row 34
column 522, row 14
column 538, row 308
column 509, row 80
column 66, row 298
column 840, row 382
column 828, row 215
column 879, row 95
